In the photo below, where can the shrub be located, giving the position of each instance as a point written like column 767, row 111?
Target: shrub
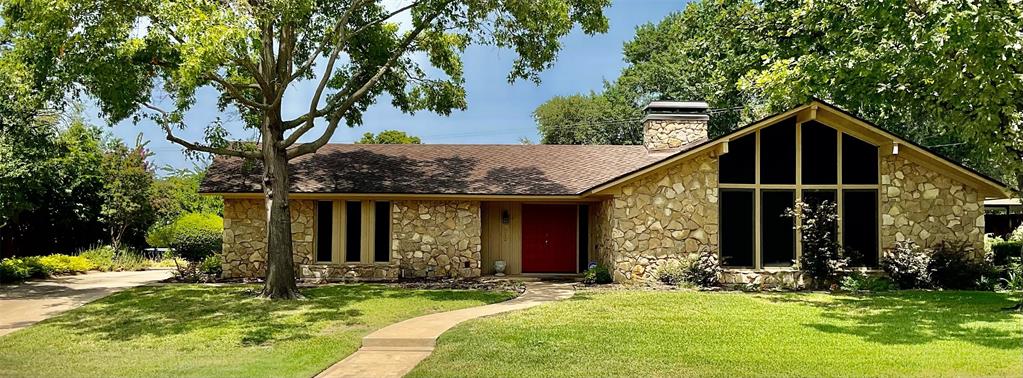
column 700, row 270
column 860, row 282
column 907, row 265
column 101, row 257
column 1013, row 277
column 197, row 236
column 160, row 236
column 20, row 269
column 211, row 265
column 597, row 274
column 108, row 260
column 1017, row 234
column 953, row 266
column 822, row 254
column 1003, row 251
column 64, row 264
column 672, row 273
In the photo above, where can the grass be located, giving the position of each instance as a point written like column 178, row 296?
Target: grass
column 224, row 331
column 726, row 334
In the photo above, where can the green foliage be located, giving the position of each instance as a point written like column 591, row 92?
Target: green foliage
column 1004, row 251
column 597, row 275
column 128, row 180
column 857, row 281
column 822, row 256
column 211, row 265
column 1013, row 276
column 64, row 264
column 160, row 236
column 908, row 265
column 389, row 137
column 1017, row 234
column 587, row 119
column 20, row 269
column 701, row 270
column 197, row 236
column 177, row 193
column 954, row 265
column 106, row 259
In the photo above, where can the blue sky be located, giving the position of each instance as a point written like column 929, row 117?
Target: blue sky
column 497, row 112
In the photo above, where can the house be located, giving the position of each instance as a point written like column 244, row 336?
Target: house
column 396, row 211
column 1002, row 216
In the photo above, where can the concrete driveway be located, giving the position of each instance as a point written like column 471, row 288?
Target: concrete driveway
column 24, row 304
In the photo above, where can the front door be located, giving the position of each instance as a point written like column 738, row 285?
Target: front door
column 549, row 238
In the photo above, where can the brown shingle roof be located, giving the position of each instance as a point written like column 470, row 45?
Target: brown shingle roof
column 442, row 169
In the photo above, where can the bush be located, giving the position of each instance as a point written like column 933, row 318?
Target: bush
column 1004, row 251
column 160, row 236
column 102, row 257
column 597, row 274
column 107, row 260
column 672, row 273
column 907, row 265
column 822, row 258
column 197, row 236
column 1017, row 234
column 211, row 265
column 64, row 264
column 700, row 270
column 953, row 266
column 20, row 269
column 1013, row 277
column 860, row 282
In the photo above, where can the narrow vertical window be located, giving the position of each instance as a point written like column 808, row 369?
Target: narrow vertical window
column 859, row 161
column 737, row 227
column 324, row 231
column 778, row 153
column 353, row 231
column 820, row 154
column 779, row 237
column 382, row 232
column 859, row 226
column 739, row 166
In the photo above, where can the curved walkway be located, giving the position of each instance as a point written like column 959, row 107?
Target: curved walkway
column 24, row 304
column 394, row 350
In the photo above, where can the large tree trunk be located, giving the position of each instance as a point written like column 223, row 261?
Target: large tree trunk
column 280, row 271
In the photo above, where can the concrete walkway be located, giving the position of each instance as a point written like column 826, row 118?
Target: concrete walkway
column 24, row 304
column 394, row 350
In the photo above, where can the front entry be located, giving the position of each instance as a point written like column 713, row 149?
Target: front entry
column 549, row 238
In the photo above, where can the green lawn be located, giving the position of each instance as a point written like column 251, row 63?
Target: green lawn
column 737, row 334
column 204, row 331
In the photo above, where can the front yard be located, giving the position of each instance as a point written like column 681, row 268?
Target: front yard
column 205, row 331
column 598, row 334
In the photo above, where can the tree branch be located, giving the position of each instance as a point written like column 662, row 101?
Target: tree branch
column 236, row 93
column 339, row 110
column 165, row 125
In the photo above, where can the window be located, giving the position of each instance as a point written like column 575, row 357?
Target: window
column 382, row 232
column 353, row 231
column 778, row 153
column 737, row 222
column 832, row 166
column 325, row 231
column 779, row 237
column 820, row 154
column 859, row 221
column 738, row 166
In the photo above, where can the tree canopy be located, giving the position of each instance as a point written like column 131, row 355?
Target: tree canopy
column 389, row 137
column 947, row 75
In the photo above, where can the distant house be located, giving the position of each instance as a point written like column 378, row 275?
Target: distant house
column 393, row 211
column 1002, row 216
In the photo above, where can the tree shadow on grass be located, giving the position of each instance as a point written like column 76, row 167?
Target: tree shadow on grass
column 916, row 317
column 162, row 311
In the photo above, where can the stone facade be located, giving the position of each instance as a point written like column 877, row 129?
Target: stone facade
column 437, row 238
column 662, row 134
column 927, row 207
column 244, row 253
column 658, row 218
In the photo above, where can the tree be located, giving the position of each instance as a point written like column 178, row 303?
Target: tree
column 587, row 119
column 126, row 54
column 177, row 193
column 128, row 182
column 389, row 137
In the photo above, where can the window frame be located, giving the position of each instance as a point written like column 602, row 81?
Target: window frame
column 838, row 187
column 339, row 230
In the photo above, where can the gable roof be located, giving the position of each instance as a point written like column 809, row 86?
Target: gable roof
column 835, row 117
column 464, row 169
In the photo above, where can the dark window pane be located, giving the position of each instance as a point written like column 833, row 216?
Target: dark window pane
column 353, row 231
column 737, row 228
column 778, row 153
column 584, row 236
column 859, row 228
column 779, row 237
column 859, row 161
column 738, row 166
column 382, row 232
column 324, row 230
column 820, row 154
column 815, row 197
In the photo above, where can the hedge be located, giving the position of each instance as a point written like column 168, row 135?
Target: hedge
column 1004, row 250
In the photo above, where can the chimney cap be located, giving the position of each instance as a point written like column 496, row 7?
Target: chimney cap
column 676, row 107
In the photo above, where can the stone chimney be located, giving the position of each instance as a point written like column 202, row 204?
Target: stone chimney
column 673, row 124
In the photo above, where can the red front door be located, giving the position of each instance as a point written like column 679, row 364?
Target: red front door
column 549, row 238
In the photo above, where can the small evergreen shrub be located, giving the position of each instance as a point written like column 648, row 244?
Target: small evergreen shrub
column 1004, row 251
column 64, row 264
column 822, row 256
column 953, row 266
column 597, row 274
column 672, row 273
column 20, row 269
column 198, row 236
column 857, row 281
column 701, row 270
column 907, row 265
column 1017, row 234
column 211, row 265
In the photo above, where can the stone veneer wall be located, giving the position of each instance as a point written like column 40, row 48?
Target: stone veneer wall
column 661, row 134
column 437, row 238
column 659, row 218
column 244, row 253
column 927, row 207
